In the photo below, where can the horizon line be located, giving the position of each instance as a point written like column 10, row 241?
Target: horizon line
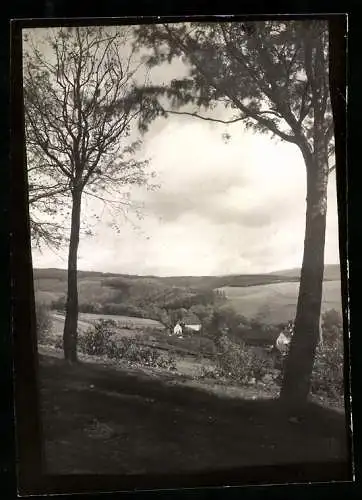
column 181, row 275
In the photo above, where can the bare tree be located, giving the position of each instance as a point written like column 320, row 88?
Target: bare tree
column 82, row 110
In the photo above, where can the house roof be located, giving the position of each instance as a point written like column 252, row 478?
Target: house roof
column 190, row 318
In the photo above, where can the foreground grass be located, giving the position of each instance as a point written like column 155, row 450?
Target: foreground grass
column 108, row 420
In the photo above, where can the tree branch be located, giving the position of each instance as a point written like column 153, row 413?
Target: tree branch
column 206, row 118
column 109, row 201
column 48, row 193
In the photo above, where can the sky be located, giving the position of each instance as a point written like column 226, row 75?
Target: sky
column 221, row 208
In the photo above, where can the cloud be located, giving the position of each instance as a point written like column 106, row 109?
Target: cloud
column 224, row 183
column 220, row 209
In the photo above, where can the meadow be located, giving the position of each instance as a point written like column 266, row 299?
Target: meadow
column 86, row 320
column 276, row 303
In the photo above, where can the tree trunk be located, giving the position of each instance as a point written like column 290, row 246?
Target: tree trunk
column 71, row 315
column 300, row 361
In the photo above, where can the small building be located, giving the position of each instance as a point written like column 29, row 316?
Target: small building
column 195, row 328
column 177, row 329
column 282, row 343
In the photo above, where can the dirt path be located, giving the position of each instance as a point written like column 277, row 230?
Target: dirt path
column 98, row 419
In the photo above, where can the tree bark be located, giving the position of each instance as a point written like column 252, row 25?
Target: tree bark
column 71, row 315
column 300, row 361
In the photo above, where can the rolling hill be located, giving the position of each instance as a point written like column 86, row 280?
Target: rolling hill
column 332, row 272
column 271, row 297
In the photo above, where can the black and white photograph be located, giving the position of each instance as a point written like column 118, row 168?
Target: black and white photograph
column 185, row 249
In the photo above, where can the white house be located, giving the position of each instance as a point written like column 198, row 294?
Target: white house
column 195, row 328
column 177, row 329
column 282, row 343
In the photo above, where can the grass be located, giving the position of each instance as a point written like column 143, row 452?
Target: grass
column 106, row 420
column 127, row 324
column 130, row 321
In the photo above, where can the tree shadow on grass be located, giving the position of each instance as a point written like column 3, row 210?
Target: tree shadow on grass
column 148, row 427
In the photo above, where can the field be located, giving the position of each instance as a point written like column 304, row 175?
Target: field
column 276, row 303
column 126, row 322
column 128, row 326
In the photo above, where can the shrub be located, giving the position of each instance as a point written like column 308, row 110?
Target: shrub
column 327, row 377
column 43, row 322
column 98, row 341
column 96, row 338
column 167, row 361
column 241, row 363
column 332, row 327
column 58, row 342
column 210, row 372
column 131, row 351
